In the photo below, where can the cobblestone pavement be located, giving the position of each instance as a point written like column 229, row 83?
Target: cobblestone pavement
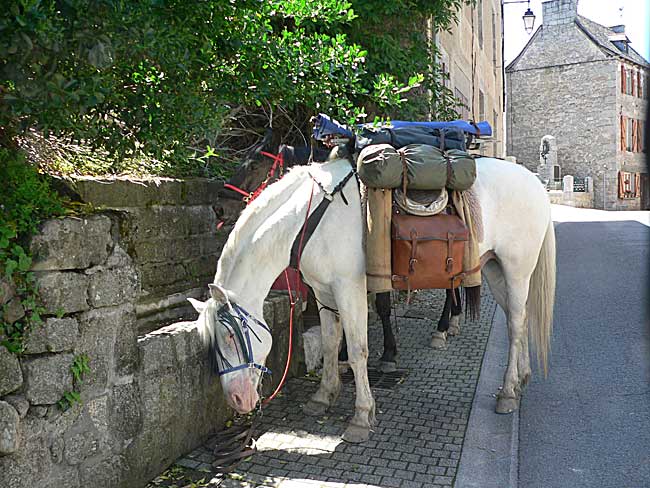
column 421, row 420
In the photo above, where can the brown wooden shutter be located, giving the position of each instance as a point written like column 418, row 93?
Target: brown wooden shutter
column 622, row 133
column 632, row 77
column 623, row 79
column 621, row 186
column 634, row 129
column 639, row 89
column 637, row 184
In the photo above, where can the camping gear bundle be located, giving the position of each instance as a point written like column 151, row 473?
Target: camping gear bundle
column 418, row 236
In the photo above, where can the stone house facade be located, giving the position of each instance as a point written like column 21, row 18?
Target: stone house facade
column 471, row 53
column 583, row 84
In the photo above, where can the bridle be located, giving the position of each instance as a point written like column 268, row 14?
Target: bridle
column 239, row 322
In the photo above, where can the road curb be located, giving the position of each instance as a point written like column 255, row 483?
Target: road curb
column 490, row 451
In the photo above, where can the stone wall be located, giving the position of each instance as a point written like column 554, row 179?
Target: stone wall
column 572, row 199
column 169, row 228
column 147, row 399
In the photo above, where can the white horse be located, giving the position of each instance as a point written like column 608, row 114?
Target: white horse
column 517, row 227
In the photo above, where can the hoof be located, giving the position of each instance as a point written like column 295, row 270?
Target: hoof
column 454, row 326
column 506, row 405
column 387, row 366
column 315, row 409
column 356, row 434
column 439, row 340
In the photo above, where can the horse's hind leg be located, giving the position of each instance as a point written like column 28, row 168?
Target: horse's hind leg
column 456, row 310
column 508, row 397
column 353, row 308
column 330, row 384
column 388, row 361
column 439, row 339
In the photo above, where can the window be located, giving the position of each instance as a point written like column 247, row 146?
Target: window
column 623, row 78
column 639, row 84
column 628, row 82
column 629, row 134
column 464, row 104
column 495, row 127
column 481, row 105
column 479, row 8
column 628, row 184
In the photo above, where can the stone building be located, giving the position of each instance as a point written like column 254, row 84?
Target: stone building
column 471, row 53
column 585, row 85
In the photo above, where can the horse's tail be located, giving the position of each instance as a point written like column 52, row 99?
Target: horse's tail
column 541, row 299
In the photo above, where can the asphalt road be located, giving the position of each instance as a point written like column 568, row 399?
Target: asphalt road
column 588, row 423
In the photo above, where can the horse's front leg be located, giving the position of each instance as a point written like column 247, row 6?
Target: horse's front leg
column 439, row 339
column 388, row 361
column 456, row 310
column 353, row 309
column 330, row 384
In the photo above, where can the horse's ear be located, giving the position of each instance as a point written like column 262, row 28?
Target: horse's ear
column 198, row 305
column 218, row 293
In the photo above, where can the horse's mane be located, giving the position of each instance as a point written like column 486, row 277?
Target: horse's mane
column 259, row 211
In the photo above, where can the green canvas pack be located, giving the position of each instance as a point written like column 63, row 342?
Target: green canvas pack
column 381, row 166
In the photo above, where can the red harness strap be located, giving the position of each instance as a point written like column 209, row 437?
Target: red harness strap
column 293, row 301
column 278, row 163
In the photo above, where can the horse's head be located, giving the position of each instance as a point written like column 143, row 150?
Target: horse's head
column 238, row 345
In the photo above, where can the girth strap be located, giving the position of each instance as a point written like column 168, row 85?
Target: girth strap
column 315, row 218
column 310, row 226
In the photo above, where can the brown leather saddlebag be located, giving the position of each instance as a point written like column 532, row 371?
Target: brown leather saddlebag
column 427, row 252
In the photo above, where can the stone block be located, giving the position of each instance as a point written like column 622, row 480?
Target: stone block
column 72, row 243
column 118, row 258
column 125, row 416
column 19, row 402
column 12, row 377
column 30, row 464
column 81, row 446
column 313, row 348
column 157, row 352
column 113, row 287
column 7, row 291
column 13, row 311
column 55, row 335
column 9, row 432
column 109, row 472
column 101, row 340
column 159, row 276
column 126, row 358
column 47, row 378
column 97, row 413
column 63, row 291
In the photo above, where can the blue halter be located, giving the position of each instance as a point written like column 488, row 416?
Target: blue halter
column 236, row 319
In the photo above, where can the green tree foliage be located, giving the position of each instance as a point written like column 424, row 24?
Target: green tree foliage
column 170, row 78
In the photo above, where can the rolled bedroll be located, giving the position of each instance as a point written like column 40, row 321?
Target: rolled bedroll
column 382, row 166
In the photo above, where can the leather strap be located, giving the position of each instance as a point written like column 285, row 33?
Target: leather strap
column 448, row 161
column 414, row 251
column 450, row 252
column 488, row 256
column 405, row 172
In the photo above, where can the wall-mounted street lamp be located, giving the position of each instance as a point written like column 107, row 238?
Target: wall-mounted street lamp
column 528, row 17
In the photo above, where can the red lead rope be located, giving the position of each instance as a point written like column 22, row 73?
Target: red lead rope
column 293, row 301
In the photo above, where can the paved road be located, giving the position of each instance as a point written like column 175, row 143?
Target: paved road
column 588, row 424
